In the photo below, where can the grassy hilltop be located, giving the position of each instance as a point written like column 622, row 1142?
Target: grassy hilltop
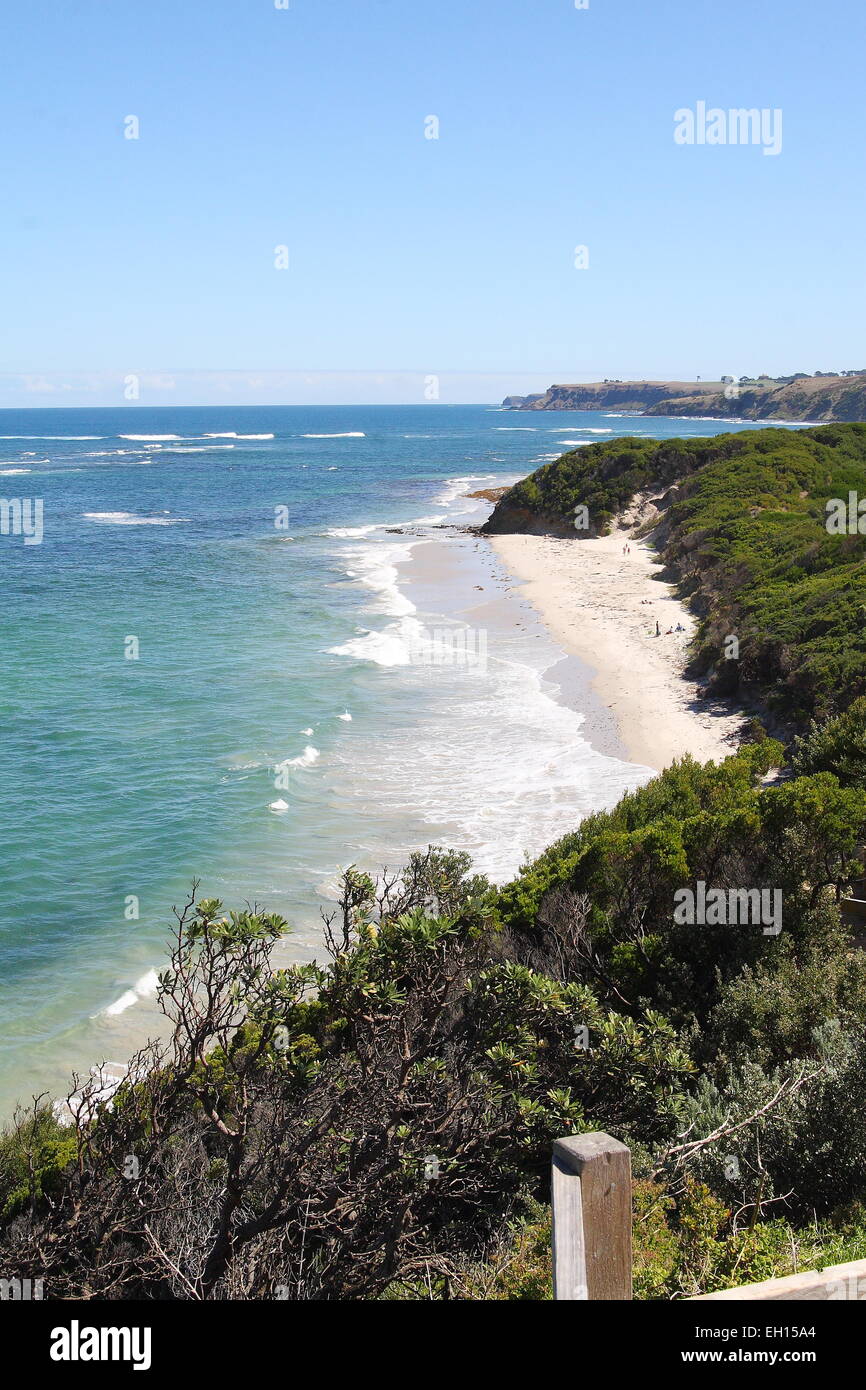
column 826, row 396
column 838, row 398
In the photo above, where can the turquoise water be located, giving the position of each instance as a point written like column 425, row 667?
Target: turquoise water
column 259, row 646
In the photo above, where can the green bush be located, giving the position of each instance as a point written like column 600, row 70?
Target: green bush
column 34, row 1154
column 835, row 745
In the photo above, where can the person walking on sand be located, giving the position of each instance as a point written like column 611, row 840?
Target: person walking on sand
column 658, row 629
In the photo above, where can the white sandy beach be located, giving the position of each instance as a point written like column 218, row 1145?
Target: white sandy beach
column 603, row 606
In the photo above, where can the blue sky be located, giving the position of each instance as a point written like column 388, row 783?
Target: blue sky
column 408, row 257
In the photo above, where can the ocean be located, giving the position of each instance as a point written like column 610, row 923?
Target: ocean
column 252, row 647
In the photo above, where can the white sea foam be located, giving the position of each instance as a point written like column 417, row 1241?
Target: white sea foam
column 309, row 756
column 346, row 716
column 145, row 988
column 346, row 532
column 130, row 519
column 391, row 646
column 491, row 761
column 376, row 568
column 349, row 434
column 307, row 733
column 279, row 807
column 141, row 438
column 456, row 487
column 232, row 434
column 7, row 472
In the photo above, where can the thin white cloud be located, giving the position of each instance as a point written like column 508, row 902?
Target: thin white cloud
column 109, row 388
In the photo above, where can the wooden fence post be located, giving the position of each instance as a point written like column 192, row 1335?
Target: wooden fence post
column 591, row 1201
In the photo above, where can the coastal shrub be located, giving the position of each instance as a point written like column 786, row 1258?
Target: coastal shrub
column 805, row 1152
column 685, row 1241
column 517, row 1265
column 713, row 824
column 769, row 1012
column 835, row 745
column 323, row 1133
column 692, row 1242
column 34, row 1153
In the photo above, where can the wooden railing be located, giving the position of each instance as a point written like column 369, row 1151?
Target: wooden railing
column 591, row 1199
column 592, row 1260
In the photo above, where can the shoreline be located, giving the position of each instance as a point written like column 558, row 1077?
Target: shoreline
column 627, row 685
column 602, row 606
column 496, row 602
column 453, row 576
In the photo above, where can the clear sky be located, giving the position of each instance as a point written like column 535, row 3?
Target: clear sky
column 305, row 127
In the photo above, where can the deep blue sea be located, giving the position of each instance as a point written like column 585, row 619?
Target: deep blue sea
column 220, row 593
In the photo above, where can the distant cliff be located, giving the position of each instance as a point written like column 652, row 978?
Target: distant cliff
column 806, row 398
column 827, row 398
column 625, row 395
